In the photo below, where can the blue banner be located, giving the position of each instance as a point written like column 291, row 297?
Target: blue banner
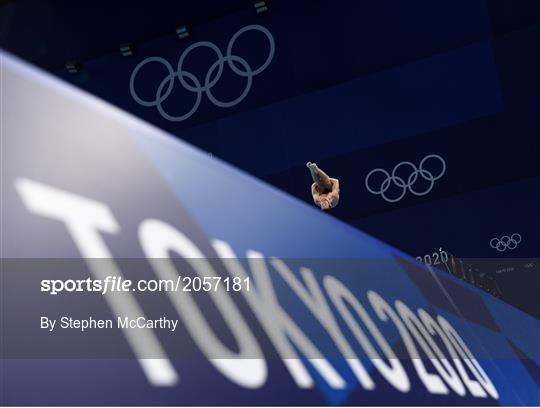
column 82, row 179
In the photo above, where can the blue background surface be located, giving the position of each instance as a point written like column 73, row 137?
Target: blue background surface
column 155, row 176
column 353, row 86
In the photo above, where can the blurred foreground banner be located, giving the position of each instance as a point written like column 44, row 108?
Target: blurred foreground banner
column 264, row 300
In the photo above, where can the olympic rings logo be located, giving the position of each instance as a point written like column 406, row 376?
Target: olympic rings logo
column 236, row 63
column 408, row 183
column 505, row 242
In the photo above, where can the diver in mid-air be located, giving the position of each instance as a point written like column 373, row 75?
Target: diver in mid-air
column 325, row 190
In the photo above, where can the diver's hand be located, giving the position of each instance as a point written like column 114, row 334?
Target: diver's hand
column 326, row 200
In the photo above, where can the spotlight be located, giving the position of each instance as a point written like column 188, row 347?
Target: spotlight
column 127, row 50
column 183, row 31
column 73, row 67
column 261, row 6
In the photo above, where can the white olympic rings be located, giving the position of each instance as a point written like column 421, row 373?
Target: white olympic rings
column 505, row 242
column 411, row 179
column 237, row 64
